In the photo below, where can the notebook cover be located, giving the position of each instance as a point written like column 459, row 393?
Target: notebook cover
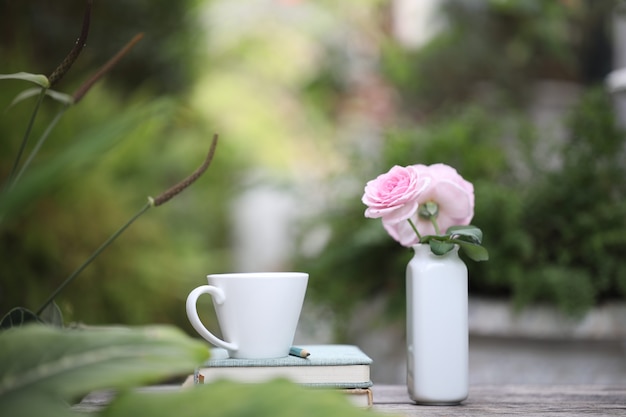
column 321, row 355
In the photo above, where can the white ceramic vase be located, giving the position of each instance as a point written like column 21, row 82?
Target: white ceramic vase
column 437, row 329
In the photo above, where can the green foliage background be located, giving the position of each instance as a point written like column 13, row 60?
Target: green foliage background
column 42, row 32
column 146, row 274
column 551, row 209
column 284, row 95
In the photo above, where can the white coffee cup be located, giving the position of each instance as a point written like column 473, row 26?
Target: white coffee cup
column 257, row 312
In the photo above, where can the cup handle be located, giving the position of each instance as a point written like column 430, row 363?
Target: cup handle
column 192, row 313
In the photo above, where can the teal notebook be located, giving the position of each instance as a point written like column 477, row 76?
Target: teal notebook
column 331, row 366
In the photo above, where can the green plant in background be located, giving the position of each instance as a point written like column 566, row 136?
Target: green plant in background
column 84, row 192
column 501, row 48
column 49, row 312
column 575, row 215
column 48, row 309
column 552, row 229
column 46, row 370
column 360, row 261
column 554, row 218
column 167, row 60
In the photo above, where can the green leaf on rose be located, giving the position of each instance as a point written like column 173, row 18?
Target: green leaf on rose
column 440, row 247
column 469, row 233
column 474, row 251
column 469, row 239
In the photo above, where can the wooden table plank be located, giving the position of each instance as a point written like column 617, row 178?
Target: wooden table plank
column 537, row 400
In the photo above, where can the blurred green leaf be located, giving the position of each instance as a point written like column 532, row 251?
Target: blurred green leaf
column 33, row 92
column 38, row 79
column 473, row 233
column 43, row 366
column 75, row 158
column 18, row 316
column 439, row 247
column 473, row 251
column 52, row 315
column 227, row 399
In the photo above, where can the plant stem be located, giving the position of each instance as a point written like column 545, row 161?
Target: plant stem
column 103, row 70
column 152, row 202
column 69, row 279
column 69, row 60
column 433, row 220
column 178, row 188
column 31, row 122
column 40, row 143
column 414, row 229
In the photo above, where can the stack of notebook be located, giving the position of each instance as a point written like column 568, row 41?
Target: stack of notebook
column 341, row 367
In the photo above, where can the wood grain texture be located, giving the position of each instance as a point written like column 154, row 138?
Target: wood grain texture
column 523, row 400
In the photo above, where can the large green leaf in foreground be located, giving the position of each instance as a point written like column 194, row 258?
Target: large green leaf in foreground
column 43, row 369
column 227, row 399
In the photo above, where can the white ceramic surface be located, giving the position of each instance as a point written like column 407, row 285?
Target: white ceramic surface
column 437, row 327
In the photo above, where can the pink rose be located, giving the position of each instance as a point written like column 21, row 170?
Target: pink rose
column 394, row 195
column 454, row 197
column 397, row 196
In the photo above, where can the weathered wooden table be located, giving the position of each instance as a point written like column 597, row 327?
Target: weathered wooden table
column 536, row 400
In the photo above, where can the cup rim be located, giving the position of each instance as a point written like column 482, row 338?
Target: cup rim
column 259, row 275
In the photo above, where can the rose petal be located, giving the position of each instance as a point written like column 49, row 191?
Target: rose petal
column 393, row 195
column 453, row 194
column 402, row 232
